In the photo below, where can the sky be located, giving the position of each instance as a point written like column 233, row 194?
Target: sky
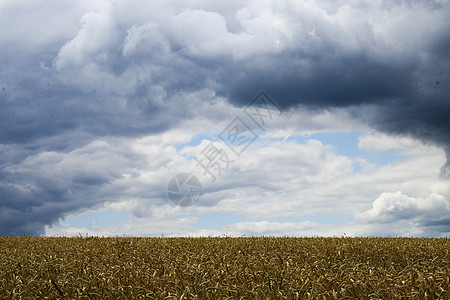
column 326, row 118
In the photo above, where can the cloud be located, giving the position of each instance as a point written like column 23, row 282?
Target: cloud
column 276, row 187
column 392, row 206
column 49, row 185
column 353, row 55
column 83, row 82
column 428, row 215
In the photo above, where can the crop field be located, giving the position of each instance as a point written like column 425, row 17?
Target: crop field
column 224, row 268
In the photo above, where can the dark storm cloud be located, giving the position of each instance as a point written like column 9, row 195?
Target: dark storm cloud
column 424, row 111
column 75, row 73
column 397, row 97
column 50, row 109
column 403, row 92
column 336, row 81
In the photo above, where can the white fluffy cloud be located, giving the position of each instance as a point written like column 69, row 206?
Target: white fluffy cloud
column 108, row 36
column 391, row 207
column 275, row 179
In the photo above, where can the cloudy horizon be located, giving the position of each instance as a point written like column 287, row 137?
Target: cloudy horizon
column 104, row 102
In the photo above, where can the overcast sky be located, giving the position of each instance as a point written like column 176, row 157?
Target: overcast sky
column 103, row 102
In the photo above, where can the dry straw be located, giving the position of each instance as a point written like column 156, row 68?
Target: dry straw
column 224, row 268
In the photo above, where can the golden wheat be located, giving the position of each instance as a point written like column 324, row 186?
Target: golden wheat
column 224, row 268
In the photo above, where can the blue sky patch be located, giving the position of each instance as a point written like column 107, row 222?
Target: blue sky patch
column 220, row 219
column 105, row 218
column 197, row 140
column 346, row 144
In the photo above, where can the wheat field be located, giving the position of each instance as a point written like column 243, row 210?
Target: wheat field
column 223, row 268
